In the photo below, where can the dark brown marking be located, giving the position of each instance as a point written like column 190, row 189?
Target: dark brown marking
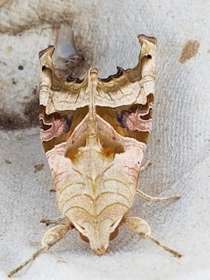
column 72, row 154
column 112, row 115
column 108, row 152
column 78, row 116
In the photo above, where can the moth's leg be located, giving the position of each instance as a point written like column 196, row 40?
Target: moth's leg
column 58, row 221
column 50, row 238
column 156, row 198
column 145, row 165
column 141, row 227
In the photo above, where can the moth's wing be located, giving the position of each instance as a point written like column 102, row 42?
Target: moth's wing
column 125, row 99
column 124, row 108
column 63, row 114
column 58, row 119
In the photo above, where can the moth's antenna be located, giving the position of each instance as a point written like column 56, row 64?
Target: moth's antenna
column 166, row 248
column 141, row 227
column 50, row 238
column 25, row 263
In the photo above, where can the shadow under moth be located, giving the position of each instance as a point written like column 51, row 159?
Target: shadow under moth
column 94, row 133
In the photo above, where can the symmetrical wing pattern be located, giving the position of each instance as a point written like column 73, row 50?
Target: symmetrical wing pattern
column 94, row 132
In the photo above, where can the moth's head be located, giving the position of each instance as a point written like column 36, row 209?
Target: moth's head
column 93, row 71
column 98, row 233
column 93, row 75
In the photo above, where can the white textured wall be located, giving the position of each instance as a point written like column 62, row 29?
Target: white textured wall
column 105, row 32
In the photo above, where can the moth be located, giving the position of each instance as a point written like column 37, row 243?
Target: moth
column 94, row 133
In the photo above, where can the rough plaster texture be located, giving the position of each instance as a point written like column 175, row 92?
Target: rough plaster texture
column 105, row 32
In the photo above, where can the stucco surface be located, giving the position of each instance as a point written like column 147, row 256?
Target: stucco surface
column 179, row 148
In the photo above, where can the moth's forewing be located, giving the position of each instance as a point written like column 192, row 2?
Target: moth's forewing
column 96, row 180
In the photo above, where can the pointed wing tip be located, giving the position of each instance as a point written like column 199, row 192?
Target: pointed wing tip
column 49, row 50
column 142, row 38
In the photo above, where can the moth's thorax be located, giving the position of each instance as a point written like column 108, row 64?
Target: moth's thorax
column 94, row 133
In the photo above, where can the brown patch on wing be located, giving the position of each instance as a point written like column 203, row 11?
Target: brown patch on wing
column 110, row 148
column 72, row 154
column 83, row 237
column 189, row 50
column 124, row 77
column 72, row 84
column 77, row 117
column 119, row 73
column 114, row 234
column 111, row 115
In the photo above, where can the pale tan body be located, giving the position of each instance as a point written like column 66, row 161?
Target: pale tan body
column 96, row 198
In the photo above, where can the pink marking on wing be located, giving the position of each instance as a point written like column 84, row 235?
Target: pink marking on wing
column 60, row 166
column 135, row 122
column 56, row 129
column 129, row 162
column 133, row 171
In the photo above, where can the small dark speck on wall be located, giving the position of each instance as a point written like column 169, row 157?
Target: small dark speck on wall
column 38, row 167
column 14, row 82
column 20, row 67
column 7, row 161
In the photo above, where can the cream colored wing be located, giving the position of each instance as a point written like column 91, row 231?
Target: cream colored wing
column 131, row 86
column 94, row 132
